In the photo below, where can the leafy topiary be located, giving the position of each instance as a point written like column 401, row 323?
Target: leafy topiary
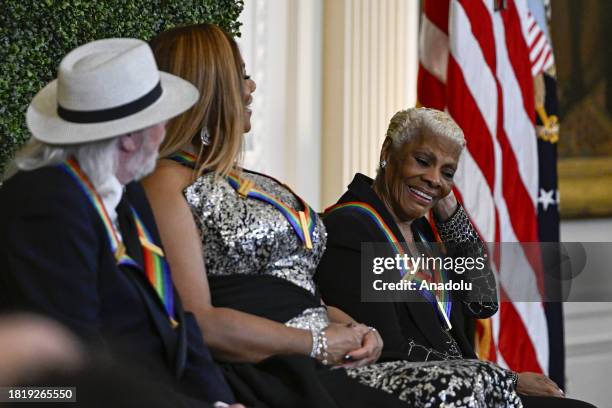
column 36, row 34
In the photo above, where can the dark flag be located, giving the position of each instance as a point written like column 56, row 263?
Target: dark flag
column 547, row 129
column 548, row 221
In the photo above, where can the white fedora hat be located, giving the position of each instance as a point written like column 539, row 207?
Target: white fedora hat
column 104, row 89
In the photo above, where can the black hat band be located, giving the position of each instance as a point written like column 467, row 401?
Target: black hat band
column 118, row 112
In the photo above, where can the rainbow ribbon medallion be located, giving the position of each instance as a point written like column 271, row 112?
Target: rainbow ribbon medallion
column 303, row 222
column 156, row 267
column 440, row 299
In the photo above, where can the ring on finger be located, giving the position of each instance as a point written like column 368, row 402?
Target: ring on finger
column 373, row 330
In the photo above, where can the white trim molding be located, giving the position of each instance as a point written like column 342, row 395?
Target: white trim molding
column 282, row 47
column 369, row 72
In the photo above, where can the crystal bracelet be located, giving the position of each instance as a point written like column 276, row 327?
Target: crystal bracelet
column 316, row 334
column 323, row 350
column 319, row 346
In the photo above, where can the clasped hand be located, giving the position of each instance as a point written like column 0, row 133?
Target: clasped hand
column 537, row 385
column 352, row 345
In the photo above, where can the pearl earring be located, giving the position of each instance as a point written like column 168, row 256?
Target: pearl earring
column 383, row 164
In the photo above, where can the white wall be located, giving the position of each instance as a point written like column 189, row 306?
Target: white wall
column 296, row 49
column 370, row 69
column 588, row 327
column 282, row 47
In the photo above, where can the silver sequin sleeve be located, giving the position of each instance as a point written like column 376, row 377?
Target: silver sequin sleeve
column 461, row 239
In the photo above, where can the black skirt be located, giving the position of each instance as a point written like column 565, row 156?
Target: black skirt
column 286, row 381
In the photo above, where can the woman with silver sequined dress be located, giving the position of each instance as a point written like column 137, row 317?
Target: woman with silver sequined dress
column 249, row 238
column 243, row 249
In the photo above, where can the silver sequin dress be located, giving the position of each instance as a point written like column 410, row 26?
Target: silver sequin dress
column 249, row 237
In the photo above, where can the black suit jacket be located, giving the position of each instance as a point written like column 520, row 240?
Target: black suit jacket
column 402, row 325
column 55, row 260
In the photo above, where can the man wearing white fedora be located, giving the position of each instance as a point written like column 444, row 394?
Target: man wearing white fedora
column 78, row 241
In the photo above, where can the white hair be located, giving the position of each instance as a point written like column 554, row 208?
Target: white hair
column 99, row 160
column 143, row 162
column 407, row 124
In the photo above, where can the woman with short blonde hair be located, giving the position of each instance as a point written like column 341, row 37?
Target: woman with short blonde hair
column 418, row 161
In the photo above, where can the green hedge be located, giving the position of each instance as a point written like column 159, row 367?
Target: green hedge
column 36, row 34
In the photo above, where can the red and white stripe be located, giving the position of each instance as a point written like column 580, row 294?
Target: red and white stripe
column 475, row 63
column 540, row 51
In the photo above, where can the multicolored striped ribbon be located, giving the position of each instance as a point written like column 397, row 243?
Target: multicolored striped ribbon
column 156, row 267
column 439, row 299
column 303, row 222
column 185, row 158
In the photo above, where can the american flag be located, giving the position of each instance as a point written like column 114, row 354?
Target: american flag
column 540, row 51
column 476, row 62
